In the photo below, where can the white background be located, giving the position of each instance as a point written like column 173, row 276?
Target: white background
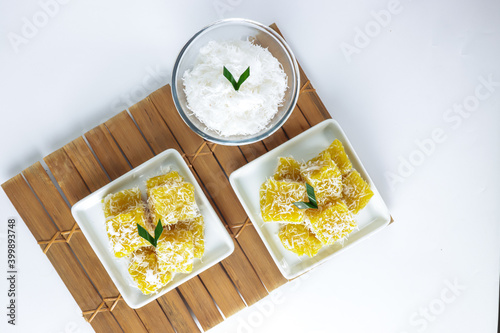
column 93, row 58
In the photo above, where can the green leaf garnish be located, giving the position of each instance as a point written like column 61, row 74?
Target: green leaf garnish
column 230, row 77
column 145, row 234
column 313, row 204
column 158, row 230
column 311, row 195
column 305, row 205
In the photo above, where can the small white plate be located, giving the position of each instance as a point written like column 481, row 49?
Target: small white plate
column 89, row 215
column 246, row 182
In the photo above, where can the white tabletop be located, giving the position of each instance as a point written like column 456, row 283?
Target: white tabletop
column 415, row 85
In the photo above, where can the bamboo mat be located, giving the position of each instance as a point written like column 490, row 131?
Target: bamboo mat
column 113, row 148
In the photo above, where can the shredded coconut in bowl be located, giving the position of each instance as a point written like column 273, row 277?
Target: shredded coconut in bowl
column 215, row 102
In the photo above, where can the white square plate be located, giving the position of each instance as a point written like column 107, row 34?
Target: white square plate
column 89, row 215
column 246, row 182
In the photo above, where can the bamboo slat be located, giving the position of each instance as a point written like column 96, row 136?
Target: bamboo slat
column 248, row 284
column 83, row 159
column 222, row 290
column 276, row 139
column 154, row 318
column 296, row 124
column 175, row 309
column 108, row 153
column 253, row 151
column 201, row 303
column 155, row 130
column 130, row 140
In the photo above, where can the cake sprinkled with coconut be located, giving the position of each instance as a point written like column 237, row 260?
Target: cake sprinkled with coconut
column 171, row 208
column 338, row 194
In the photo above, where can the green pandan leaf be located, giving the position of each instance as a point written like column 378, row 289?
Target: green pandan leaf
column 230, row 77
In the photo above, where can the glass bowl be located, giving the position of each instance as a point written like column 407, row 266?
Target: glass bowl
column 236, row 29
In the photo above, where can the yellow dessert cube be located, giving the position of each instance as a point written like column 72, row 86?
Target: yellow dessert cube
column 172, row 203
column 324, row 176
column 196, row 226
column 170, row 178
column 288, row 169
column 144, row 270
column 277, row 198
column 122, row 231
column 331, row 223
column 120, row 202
column 175, row 250
column 356, row 192
column 299, row 239
column 338, row 155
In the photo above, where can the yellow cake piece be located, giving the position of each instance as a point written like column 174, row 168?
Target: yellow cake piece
column 356, row 192
column 324, row 176
column 172, row 203
column 196, row 226
column 120, row 202
column 331, row 223
column 175, row 250
column 170, row 178
column 299, row 239
column 288, row 169
column 339, row 156
column 143, row 269
column 277, row 198
column 122, row 231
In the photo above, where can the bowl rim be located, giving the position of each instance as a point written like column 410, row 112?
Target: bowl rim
column 268, row 132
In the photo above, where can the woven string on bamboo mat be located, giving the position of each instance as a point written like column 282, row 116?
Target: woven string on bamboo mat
column 102, row 307
column 307, row 88
column 65, row 237
column 211, row 146
column 60, row 237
